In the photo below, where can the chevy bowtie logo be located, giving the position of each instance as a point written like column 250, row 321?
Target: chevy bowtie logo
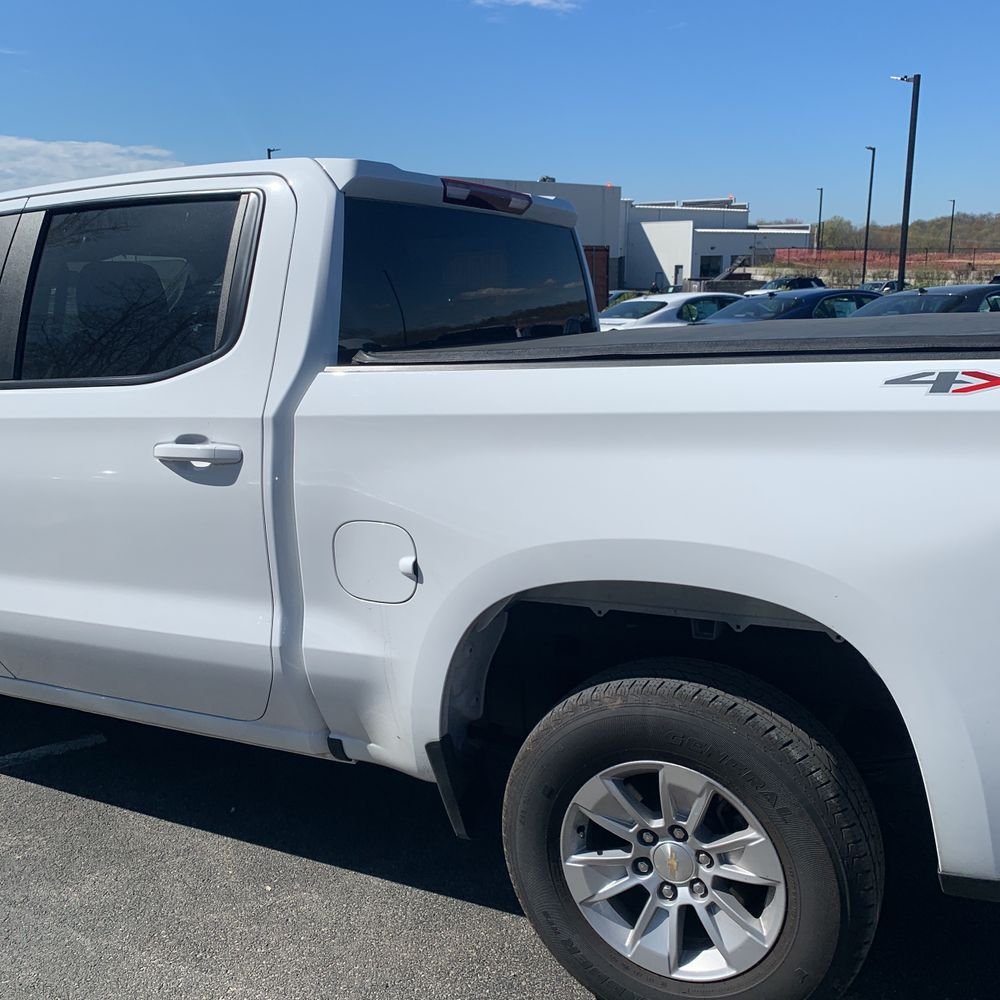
column 949, row 383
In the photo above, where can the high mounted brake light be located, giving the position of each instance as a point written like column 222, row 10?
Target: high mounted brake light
column 482, row 196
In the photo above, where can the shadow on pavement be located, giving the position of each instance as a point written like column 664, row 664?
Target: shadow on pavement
column 929, row 946
column 355, row 817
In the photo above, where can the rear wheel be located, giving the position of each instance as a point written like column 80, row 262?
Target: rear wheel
column 688, row 832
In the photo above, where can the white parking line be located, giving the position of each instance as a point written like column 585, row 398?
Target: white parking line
column 52, row 750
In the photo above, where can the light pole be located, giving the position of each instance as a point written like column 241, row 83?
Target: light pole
column 951, row 228
column 819, row 223
column 272, row 149
column 868, row 215
column 904, row 231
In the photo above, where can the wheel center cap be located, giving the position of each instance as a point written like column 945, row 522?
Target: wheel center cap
column 674, row 862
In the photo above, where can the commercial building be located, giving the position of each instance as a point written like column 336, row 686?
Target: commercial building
column 663, row 242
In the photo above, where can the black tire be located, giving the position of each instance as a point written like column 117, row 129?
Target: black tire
column 755, row 743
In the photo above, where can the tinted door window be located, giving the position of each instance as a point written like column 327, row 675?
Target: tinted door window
column 697, row 309
column 128, row 290
column 990, row 304
column 907, row 303
column 721, row 301
column 836, row 307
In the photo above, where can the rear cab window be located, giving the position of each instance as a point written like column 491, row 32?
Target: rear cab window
column 421, row 276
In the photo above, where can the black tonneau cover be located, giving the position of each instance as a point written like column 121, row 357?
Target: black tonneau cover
column 955, row 334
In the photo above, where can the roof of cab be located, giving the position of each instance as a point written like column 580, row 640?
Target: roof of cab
column 357, row 178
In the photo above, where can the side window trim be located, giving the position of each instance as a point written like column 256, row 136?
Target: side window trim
column 239, row 271
column 8, row 225
column 25, row 254
column 13, row 288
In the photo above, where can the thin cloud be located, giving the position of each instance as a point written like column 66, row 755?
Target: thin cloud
column 26, row 162
column 560, row 6
column 11, row 52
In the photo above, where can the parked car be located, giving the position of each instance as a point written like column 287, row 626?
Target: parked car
column 939, row 298
column 788, row 283
column 670, row 309
column 815, row 303
column 886, row 287
column 995, row 280
column 617, row 295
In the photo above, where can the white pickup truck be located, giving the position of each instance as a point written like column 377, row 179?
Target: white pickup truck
column 325, row 456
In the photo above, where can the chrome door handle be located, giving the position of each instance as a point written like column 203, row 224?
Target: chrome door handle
column 210, row 452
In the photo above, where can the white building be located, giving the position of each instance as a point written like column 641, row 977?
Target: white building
column 664, row 242
column 668, row 252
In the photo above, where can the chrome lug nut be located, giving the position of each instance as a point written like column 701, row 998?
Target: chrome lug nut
column 699, row 889
column 704, row 859
column 678, row 833
column 643, row 866
column 647, row 837
column 668, row 891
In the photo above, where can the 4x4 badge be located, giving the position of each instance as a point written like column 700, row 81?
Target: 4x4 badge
column 949, row 383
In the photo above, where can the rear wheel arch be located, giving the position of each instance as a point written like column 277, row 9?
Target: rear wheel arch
column 707, row 612
column 484, row 669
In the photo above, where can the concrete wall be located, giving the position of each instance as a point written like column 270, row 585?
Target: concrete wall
column 657, row 246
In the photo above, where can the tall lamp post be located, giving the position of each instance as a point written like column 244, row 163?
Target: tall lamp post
column 904, row 232
column 868, row 215
column 272, row 149
column 819, row 224
column 951, row 228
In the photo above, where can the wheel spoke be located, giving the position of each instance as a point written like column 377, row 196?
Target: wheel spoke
column 613, row 888
column 736, row 873
column 734, row 841
column 615, row 826
column 674, row 927
column 641, row 926
column 748, row 924
column 634, row 810
column 698, row 809
column 667, row 805
column 714, row 932
column 600, row 859
column 761, row 860
column 679, row 786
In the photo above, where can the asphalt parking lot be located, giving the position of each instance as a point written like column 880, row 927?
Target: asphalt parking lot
column 139, row 863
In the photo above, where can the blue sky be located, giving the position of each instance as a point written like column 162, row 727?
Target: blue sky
column 761, row 100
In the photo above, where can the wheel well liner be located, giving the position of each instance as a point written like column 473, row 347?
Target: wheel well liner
column 525, row 653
